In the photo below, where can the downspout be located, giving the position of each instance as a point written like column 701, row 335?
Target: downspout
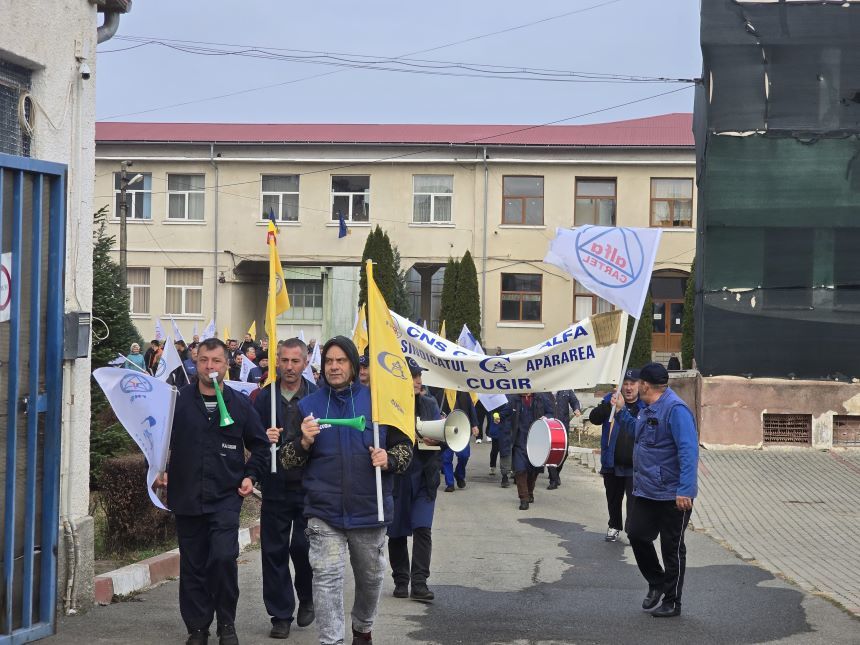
column 109, row 26
column 215, row 248
column 484, row 253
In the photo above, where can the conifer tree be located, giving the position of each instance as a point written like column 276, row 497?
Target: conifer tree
column 688, row 327
column 468, row 298
column 447, row 310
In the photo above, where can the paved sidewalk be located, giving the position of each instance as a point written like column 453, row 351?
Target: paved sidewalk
column 796, row 513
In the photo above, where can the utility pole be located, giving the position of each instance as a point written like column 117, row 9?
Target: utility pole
column 123, row 215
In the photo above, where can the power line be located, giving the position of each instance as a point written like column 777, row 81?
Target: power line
column 314, row 76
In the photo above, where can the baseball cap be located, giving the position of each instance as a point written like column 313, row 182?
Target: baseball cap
column 631, row 375
column 654, row 373
column 414, row 368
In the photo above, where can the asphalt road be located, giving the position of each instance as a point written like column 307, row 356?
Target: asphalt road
column 537, row 577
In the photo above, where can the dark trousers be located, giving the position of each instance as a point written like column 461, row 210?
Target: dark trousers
column 616, row 487
column 208, row 573
column 554, row 472
column 282, row 537
column 494, row 452
column 482, row 415
column 648, row 520
column 398, row 554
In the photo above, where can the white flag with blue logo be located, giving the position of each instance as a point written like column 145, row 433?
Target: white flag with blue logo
column 242, row 386
column 159, row 330
column 144, row 406
column 245, row 368
column 177, row 335
column 209, row 332
column 467, row 341
column 168, row 362
column 612, row 262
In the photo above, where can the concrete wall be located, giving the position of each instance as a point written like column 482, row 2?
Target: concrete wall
column 732, row 407
column 51, row 40
column 313, row 241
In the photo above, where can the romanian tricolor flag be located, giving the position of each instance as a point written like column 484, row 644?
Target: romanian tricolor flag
column 278, row 301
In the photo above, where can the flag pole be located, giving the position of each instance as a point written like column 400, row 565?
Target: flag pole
column 137, row 367
column 374, row 403
column 273, row 448
column 624, row 366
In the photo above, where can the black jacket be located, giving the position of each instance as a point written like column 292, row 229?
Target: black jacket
column 428, row 461
column 275, row 485
column 207, row 462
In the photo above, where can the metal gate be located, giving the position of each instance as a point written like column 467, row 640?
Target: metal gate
column 32, row 244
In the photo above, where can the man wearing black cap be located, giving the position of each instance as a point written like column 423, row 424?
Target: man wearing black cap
column 414, row 503
column 616, row 453
column 340, row 483
column 364, row 369
column 665, row 458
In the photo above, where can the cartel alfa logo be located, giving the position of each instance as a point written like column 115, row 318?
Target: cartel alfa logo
column 496, row 365
column 612, row 258
column 162, row 366
column 135, row 384
column 392, row 364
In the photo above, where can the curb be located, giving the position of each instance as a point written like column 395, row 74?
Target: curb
column 149, row 572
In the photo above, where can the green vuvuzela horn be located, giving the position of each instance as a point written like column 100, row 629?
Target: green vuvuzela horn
column 354, row 422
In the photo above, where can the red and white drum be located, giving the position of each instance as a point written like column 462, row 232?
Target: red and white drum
column 547, row 442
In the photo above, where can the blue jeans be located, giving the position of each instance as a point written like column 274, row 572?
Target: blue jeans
column 448, row 464
column 328, row 547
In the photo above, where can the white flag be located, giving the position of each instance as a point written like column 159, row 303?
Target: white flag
column 612, row 262
column 240, row 386
column 194, row 331
column 209, row 332
column 159, row 330
column 246, row 367
column 177, row 335
column 301, row 335
column 467, row 341
column 315, row 359
column 168, row 362
column 144, row 406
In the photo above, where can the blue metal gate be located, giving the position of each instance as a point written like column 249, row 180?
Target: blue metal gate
column 32, row 243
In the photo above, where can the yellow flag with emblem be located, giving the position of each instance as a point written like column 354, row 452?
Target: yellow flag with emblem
column 391, row 393
column 450, row 395
column 359, row 334
column 278, row 301
column 253, row 330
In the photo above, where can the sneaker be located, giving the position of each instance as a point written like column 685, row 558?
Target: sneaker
column 227, row 635
column 359, row 638
column 401, row 590
column 306, row 614
column 461, row 483
column 421, row 593
column 492, row 471
column 667, row 610
column 477, row 441
column 612, row 535
column 652, row 599
column 449, row 489
column 198, row 637
column 280, row 629
column 505, row 482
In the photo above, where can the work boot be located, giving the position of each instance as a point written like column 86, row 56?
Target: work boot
column 280, row 629
column 461, row 483
column 524, row 505
column 421, row 593
column 306, row 614
column 198, row 637
column 552, row 486
column 227, row 635
column 505, row 482
column 358, row 638
column 401, row 590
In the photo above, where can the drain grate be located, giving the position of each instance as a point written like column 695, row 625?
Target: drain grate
column 787, row 428
column 846, row 430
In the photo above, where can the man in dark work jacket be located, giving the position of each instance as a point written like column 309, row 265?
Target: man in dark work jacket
column 282, row 521
column 208, row 479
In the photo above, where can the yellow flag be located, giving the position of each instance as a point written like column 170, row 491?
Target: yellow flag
column 450, row 395
column 359, row 334
column 253, row 330
column 278, row 301
column 391, row 394
column 226, row 334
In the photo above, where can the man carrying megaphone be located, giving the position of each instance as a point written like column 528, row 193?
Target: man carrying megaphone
column 208, row 479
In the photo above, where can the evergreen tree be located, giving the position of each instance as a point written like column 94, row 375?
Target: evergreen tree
column 402, row 303
column 378, row 248
column 468, row 298
column 370, row 252
column 688, row 328
column 449, row 298
column 642, row 343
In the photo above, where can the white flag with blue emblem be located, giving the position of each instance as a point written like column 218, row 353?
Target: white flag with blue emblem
column 177, row 335
column 313, row 361
column 144, row 406
column 209, row 332
column 159, row 330
column 168, row 362
column 612, row 262
column 467, row 341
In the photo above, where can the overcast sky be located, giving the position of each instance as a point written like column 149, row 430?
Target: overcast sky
column 646, row 38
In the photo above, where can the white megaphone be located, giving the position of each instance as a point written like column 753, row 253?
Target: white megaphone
column 453, row 430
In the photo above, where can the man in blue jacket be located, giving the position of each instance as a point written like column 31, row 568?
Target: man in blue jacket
column 208, row 479
column 340, row 483
column 665, row 459
column 517, row 416
column 616, row 453
column 282, row 516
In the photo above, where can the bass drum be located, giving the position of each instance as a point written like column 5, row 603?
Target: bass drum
column 547, row 443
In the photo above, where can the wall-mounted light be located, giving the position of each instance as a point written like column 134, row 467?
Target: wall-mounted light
column 222, row 278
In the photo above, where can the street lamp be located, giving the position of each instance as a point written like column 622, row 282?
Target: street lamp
column 124, row 183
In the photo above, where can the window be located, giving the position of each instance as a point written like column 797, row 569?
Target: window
column 15, row 101
column 431, row 198
column 184, row 292
column 595, row 202
column 350, row 197
column 281, row 196
column 586, row 304
column 521, row 297
column 185, row 197
column 138, row 196
column 306, row 300
column 138, row 289
column 523, row 200
column 672, row 203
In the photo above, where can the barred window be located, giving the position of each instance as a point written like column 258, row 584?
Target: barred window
column 183, row 292
column 306, row 300
column 138, row 289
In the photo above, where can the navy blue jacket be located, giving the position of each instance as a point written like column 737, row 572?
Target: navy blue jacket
column 600, row 415
column 276, row 485
column 565, row 401
column 666, row 453
column 339, row 479
column 207, row 462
